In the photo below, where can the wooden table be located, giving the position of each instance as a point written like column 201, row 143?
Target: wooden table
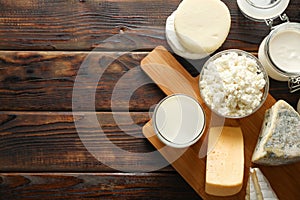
column 43, row 46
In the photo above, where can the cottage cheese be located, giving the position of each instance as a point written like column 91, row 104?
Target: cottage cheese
column 232, row 85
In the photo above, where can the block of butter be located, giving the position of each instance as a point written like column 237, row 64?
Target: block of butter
column 225, row 161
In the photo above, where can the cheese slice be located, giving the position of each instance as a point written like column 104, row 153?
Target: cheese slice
column 258, row 187
column 279, row 140
column 201, row 25
column 225, row 161
column 174, row 43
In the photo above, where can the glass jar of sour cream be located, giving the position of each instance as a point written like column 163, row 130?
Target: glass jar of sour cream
column 279, row 52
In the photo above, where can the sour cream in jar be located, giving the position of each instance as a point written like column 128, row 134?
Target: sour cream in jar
column 280, row 52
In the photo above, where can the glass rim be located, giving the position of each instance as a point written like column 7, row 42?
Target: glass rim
column 261, row 13
column 171, row 143
column 275, row 3
column 265, row 90
column 278, row 29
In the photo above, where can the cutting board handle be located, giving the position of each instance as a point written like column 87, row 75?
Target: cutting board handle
column 169, row 74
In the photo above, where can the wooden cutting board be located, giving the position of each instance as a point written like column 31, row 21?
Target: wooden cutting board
column 172, row 78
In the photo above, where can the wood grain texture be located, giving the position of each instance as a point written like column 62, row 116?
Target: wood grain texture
column 75, row 25
column 45, row 81
column 71, row 25
column 94, row 186
column 49, row 141
column 172, row 78
column 43, row 44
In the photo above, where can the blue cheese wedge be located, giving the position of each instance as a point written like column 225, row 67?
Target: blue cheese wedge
column 279, row 140
column 258, row 187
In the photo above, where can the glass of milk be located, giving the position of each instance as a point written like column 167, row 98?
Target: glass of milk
column 279, row 52
column 178, row 120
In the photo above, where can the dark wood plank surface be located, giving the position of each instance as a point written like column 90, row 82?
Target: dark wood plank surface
column 48, row 141
column 75, row 25
column 50, row 76
column 42, row 47
column 94, row 186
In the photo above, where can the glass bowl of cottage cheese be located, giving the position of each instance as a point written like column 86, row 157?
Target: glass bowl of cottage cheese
column 233, row 83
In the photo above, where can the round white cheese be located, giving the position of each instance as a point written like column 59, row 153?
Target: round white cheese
column 201, row 25
column 174, row 43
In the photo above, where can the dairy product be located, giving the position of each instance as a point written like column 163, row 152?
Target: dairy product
column 202, row 26
column 225, row 161
column 279, row 140
column 258, row 187
column 271, row 70
column 174, row 43
column 232, row 84
column 280, row 52
column 179, row 120
column 262, row 9
column 284, row 50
